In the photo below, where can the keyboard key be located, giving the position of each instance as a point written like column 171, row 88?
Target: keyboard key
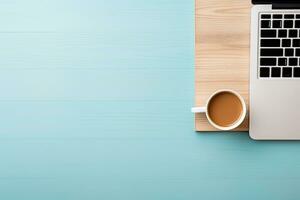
column 298, row 16
column 296, row 43
column 270, row 43
column 265, row 16
column 287, row 72
column 277, row 24
column 282, row 61
column 297, row 24
column 268, row 62
column 264, row 72
column 276, row 72
column 277, row 16
column 268, row 33
column 286, row 43
column 289, row 52
column 271, row 52
column 289, row 16
column 293, row 33
column 265, row 24
column 293, row 61
column 282, row 33
column 298, row 52
column 288, row 24
column 297, row 72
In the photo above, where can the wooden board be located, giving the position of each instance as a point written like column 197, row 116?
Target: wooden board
column 222, row 52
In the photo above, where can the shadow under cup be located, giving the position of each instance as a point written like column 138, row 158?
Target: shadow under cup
column 225, row 109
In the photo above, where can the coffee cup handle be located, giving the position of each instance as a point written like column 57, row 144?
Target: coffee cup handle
column 199, row 110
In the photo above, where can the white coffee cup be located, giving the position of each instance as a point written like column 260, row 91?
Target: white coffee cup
column 224, row 128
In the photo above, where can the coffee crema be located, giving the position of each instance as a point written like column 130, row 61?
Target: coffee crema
column 225, row 109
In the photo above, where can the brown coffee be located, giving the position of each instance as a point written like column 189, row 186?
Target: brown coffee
column 225, row 109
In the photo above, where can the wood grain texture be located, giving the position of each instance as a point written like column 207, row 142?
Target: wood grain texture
column 222, row 52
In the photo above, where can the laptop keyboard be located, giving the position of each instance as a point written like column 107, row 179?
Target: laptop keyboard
column 279, row 45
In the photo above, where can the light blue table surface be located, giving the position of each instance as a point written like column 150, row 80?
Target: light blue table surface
column 95, row 105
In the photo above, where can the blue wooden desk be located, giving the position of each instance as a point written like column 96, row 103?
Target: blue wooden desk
column 95, row 104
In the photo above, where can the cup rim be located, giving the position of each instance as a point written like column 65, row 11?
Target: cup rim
column 238, row 122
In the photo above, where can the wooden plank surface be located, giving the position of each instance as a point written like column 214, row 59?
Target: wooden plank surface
column 222, row 52
column 95, row 105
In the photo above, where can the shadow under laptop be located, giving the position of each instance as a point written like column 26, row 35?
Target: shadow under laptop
column 242, row 137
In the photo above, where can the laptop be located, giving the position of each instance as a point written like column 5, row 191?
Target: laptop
column 275, row 70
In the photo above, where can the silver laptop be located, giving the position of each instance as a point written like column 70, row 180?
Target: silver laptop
column 275, row 70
